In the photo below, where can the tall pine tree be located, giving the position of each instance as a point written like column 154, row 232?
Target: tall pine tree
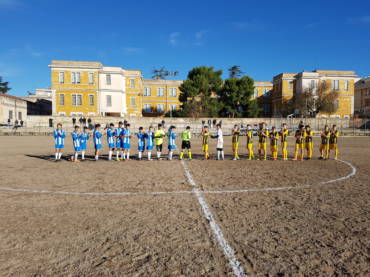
column 4, row 86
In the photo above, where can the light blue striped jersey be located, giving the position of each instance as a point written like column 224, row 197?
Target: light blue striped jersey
column 141, row 139
column 126, row 136
column 76, row 139
column 110, row 136
column 84, row 137
column 97, row 137
column 171, row 138
column 118, row 134
column 59, row 136
column 150, row 138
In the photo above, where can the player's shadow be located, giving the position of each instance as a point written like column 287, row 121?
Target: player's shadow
column 51, row 158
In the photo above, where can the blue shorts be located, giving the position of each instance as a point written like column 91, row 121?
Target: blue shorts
column 118, row 144
column 110, row 145
column 83, row 146
column 171, row 147
column 59, row 146
column 149, row 147
column 141, row 148
column 126, row 146
column 78, row 149
column 98, row 146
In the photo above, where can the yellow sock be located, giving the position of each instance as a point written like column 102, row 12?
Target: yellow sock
column 296, row 154
column 181, row 154
column 189, row 154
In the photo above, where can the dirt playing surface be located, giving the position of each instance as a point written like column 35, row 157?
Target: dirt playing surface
column 316, row 231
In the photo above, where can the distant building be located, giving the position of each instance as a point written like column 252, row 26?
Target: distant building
column 12, row 109
column 283, row 85
column 40, row 102
column 362, row 97
column 262, row 93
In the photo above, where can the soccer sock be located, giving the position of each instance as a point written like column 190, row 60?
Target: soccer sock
column 117, row 155
column 170, row 155
column 189, row 155
column 265, row 155
column 222, row 155
column 110, row 155
column 60, row 155
column 296, row 154
column 218, row 154
column 122, row 155
column 158, row 155
column 301, row 155
column 140, row 154
column 181, row 155
column 56, row 155
column 96, row 157
column 149, row 155
column 83, row 155
column 76, row 156
column 128, row 155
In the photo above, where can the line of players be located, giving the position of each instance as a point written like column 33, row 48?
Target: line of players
column 119, row 140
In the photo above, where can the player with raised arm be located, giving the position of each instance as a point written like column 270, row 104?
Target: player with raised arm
column 333, row 142
column 263, row 134
column 249, row 135
column 110, row 140
column 76, row 144
column 309, row 142
column 205, row 138
column 235, row 141
column 300, row 136
column 171, row 142
column 97, row 141
column 149, row 136
column 284, row 132
column 59, row 136
column 324, row 146
column 84, row 137
column 126, row 137
column 119, row 142
column 274, row 137
column 140, row 142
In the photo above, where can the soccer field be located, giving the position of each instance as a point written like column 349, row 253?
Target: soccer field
column 190, row 218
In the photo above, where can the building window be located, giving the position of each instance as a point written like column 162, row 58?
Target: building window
column 132, row 83
column 290, row 84
column 20, row 115
column 61, row 77
column 265, row 92
column 160, row 91
column 160, row 108
column 91, row 100
column 108, row 80
column 313, row 84
column 147, row 108
column 346, row 85
column 109, row 100
column 173, row 92
column 173, row 107
column 133, row 101
column 61, row 99
column 91, row 78
column 76, row 99
column 146, row 91
column 10, row 115
column 255, row 93
column 76, row 77
column 335, row 84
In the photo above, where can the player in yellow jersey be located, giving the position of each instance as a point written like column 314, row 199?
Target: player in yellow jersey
column 249, row 135
column 263, row 134
column 159, row 134
column 324, row 146
column 274, row 137
column 235, row 141
column 309, row 143
column 284, row 135
column 186, row 136
column 205, row 135
column 333, row 141
column 300, row 136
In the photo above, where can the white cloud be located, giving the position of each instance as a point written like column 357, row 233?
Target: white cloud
column 131, row 50
column 359, row 19
column 174, row 38
column 200, row 37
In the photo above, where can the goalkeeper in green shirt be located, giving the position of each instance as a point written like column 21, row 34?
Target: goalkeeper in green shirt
column 186, row 136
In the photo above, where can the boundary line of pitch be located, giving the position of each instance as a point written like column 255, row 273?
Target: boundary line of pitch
column 118, row 193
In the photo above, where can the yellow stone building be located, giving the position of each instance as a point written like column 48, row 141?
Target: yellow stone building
column 262, row 93
column 75, row 87
column 362, row 97
column 282, row 92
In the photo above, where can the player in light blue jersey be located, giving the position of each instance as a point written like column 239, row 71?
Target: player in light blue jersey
column 171, row 141
column 76, row 144
column 110, row 139
column 140, row 142
column 59, row 136
column 97, row 140
column 149, row 142
column 119, row 142
column 84, row 137
column 126, row 134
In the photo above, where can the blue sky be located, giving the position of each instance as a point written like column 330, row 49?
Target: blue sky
column 264, row 37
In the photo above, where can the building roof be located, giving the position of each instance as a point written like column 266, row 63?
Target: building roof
column 83, row 64
column 162, row 82
column 363, row 83
column 262, row 84
column 336, row 72
column 285, row 75
column 11, row 97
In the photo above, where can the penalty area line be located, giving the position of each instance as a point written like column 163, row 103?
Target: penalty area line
column 225, row 246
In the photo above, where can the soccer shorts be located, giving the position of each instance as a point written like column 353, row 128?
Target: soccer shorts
column 219, row 149
column 250, row 147
column 185, row 144
column 284, row 145
column 273, row 148
column 59, row 146
column 98, row 146
column 333, row 146
column 299, row 146
column 159, row 147
column 235, row 145
column 141, row 148
column 324, row 147
column 126, row 146
column 149, row 147
column 205, row 147
column 309, row 145
column 77, row 149
column 111, row 145
column 171, row 147
column 118, row 144
column 262, row 146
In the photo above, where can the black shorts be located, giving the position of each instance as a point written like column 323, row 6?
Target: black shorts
column 159, row 147
column 219, row 149
column 185, row 144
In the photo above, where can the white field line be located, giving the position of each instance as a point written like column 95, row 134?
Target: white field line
column 225, row 246
column 118, row 193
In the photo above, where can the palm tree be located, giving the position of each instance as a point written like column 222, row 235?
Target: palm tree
column 3, row 86
column 235, row 71
column 162, row 73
